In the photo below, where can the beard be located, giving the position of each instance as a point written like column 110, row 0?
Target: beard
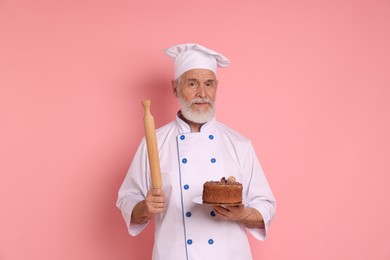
column 201, row 116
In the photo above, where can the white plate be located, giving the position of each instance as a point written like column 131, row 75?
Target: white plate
column 198, row 200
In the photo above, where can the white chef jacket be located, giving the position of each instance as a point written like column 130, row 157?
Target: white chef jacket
column 187, row 230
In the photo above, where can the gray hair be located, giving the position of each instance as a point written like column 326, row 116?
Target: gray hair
column 178, row 81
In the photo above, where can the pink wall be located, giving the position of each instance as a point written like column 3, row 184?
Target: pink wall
column 309, row 83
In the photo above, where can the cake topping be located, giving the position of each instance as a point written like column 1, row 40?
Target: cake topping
column 230, row 180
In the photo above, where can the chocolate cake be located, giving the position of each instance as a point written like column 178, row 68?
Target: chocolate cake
column 225, row 191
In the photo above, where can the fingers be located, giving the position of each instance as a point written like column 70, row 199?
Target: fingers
column 156, row 196
column 155, row 201
column 156, row 192
column 221, row 212
column 230, row 212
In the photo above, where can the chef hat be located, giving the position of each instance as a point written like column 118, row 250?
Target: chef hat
column 194, row 56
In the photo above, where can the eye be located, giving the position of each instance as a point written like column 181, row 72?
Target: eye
column 209, row 84
column 192, row 84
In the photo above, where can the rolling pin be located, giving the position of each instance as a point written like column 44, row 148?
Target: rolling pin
column 151, row 144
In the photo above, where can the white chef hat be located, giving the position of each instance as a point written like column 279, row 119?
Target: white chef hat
column 195, row 56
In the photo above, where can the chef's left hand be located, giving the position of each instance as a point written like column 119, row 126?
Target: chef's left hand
column 247, row 216
column 235, row 213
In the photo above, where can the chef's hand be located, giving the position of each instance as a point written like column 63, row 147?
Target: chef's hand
column 154, row 203
column 249, row 217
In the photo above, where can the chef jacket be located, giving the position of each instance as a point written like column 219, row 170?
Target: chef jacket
column 189, row 230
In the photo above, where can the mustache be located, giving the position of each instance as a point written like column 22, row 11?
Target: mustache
column 201, row 100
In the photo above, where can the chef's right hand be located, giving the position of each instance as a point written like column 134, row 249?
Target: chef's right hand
column 155, row 201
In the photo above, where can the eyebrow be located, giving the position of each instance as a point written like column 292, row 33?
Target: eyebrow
column 192, row 79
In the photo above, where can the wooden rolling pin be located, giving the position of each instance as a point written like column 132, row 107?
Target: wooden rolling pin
column 151, row 144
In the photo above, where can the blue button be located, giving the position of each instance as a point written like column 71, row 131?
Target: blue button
column 184, row 160
column 211, row 241
column 186, row 187
column 189, row 241
column 188, row 214
column 182, row 137
column 213, row 160
column 211, row 137
column 212, row 213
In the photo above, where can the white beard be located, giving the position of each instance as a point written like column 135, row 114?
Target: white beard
column 199, row 117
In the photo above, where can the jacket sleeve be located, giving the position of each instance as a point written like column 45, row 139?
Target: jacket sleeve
column 134, row 188
column 257, row 192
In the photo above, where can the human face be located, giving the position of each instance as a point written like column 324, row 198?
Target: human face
column 196, row 90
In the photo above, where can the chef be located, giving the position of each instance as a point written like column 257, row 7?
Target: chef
column 195, row 148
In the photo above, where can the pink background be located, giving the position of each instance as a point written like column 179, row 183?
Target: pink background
column 309, row 84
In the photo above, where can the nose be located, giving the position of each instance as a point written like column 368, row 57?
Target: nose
column 201, row 91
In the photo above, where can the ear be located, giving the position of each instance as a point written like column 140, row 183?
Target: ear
column 174, row 88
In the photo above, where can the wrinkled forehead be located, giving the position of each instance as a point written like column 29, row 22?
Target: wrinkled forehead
column 199, row 75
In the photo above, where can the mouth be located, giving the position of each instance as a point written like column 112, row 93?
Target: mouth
column 201, row 103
